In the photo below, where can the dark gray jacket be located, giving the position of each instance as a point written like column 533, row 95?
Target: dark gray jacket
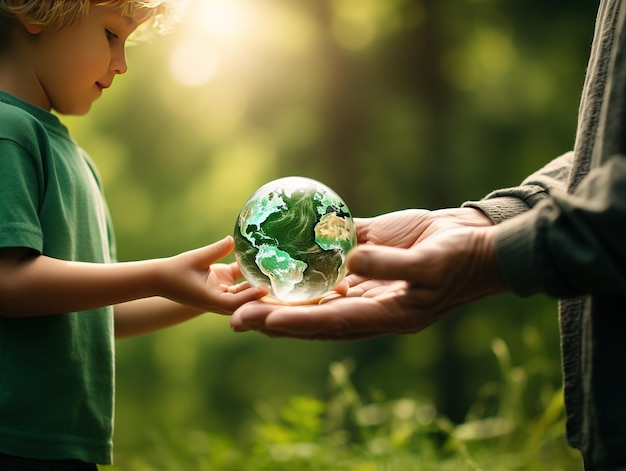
column 563, row 232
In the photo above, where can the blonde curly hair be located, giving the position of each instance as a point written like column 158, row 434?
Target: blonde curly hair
column 58, row 14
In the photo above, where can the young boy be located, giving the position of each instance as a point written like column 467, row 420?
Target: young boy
column 62, row 299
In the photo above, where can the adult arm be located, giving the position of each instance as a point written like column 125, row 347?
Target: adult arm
column 570, row 244
column 566, row 245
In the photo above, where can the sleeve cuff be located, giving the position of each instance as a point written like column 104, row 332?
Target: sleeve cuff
column 515, row 243
column 499, row 209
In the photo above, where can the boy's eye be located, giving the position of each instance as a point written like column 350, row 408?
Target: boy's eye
column 110, row 35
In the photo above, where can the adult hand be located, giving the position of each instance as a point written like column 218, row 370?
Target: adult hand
column 404, row 229
column 411, row 268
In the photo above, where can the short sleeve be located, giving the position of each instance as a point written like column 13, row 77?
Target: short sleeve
column 21, row 193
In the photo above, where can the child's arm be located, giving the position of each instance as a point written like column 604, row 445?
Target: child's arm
column 36, row 285
column 146, row 315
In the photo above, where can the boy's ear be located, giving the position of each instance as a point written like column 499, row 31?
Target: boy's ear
column 29, row 26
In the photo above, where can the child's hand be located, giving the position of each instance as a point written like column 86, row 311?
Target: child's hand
column 194, row 279
column 223, row 279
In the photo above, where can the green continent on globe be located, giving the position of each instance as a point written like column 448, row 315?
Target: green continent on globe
column 283, row 271
column 293, row 235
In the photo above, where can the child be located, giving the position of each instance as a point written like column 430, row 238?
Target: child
column 61, row 298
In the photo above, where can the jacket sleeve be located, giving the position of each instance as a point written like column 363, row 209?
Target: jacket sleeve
column 569, row 244
column 503, row 204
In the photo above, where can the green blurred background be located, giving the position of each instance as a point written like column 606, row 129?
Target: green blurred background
column 392, row 103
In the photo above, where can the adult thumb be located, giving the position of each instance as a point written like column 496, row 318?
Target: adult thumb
column 381, row 262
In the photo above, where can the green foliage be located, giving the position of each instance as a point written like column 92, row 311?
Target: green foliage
column 348, row 432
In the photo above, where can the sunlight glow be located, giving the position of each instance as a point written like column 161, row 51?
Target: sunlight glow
column 193, row 64
column 214, row 32
column 225, row 19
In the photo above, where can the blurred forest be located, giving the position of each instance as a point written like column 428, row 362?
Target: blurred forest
column 392, row 103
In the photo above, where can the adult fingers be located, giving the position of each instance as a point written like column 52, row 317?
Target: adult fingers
column 383, row 263
column 341, row 319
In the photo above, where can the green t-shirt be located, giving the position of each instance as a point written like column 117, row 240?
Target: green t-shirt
column 56, row 372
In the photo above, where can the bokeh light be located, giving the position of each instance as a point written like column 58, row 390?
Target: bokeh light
column 211, row 31
column 193, row 64
column 227, row 20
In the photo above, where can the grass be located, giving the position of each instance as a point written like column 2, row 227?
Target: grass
column 348, row 432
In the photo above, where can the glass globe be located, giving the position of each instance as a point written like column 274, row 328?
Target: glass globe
column 293, row 235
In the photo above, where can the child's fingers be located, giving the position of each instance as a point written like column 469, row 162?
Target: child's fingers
column 216, row 251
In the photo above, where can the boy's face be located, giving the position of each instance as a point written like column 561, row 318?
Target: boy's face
column 74, row 65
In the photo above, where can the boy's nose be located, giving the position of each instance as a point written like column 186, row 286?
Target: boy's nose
column 118, row 63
